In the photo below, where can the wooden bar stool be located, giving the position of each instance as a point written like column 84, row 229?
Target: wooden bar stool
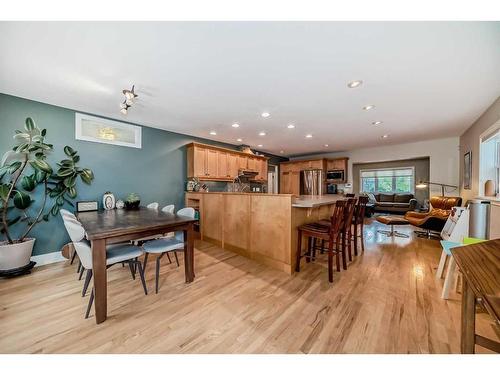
column 358, row 223
column 330, row 233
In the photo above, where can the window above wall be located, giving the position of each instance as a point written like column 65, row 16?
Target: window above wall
column 387, row 180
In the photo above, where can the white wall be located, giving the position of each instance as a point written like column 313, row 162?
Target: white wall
column 443, row 154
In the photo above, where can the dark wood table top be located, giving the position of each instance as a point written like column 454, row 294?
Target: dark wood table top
column 480, row 265
column 112, row 223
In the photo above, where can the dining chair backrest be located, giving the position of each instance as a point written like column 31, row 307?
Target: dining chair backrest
column 337, row 218
column 169, row 209
column 350, row 195
column 81, row 245
column 189, row 212
column 349, row 212
column 360, row 209
column 153, row 205
column 65, row 213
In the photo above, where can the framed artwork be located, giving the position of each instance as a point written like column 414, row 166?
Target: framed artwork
column 467, row 170
column 100, row 130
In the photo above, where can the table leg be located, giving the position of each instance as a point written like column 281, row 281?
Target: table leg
column 468, row 326
column 100, row 279
column 189, row 254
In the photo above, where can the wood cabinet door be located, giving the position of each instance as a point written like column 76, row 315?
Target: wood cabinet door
column 316, row 164
column 285, row 182
column 242, row 162
column 232, row 165
column 212, row 161
column 295, row 183
column 222, row 165
column 285, row 167
column 263, row 170
column 200, row 162
column 252, row 163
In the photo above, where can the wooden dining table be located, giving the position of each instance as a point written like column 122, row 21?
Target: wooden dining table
column 114, row 226
column 480, row 267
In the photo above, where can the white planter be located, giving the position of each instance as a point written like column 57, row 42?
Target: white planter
column 15, row 255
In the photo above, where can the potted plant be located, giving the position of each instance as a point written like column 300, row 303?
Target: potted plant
column 132, row 201
column 22, row 170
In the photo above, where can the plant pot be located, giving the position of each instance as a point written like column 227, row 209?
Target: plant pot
column 132, row 205
column 15, row 255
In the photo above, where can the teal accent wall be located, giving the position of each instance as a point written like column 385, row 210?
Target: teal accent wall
column 157, row 172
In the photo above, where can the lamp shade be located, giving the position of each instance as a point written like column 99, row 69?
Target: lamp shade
column 421, row 185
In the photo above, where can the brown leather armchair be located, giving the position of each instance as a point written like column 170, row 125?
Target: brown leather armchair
column 435, row 219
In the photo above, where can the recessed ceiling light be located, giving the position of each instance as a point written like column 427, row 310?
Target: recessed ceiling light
column 235, row 125
column 376, row 122
column 326, row 145
column 385, row 136
column 259, row 145
column 290, row 126
column 265, row 114
column 282, row 152
column 354, row 84
column 239, row 140
column 262, row 133
column 368, row 107
column 309, row 136
column 213, row 133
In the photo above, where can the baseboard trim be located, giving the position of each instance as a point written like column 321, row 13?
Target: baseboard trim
column 48, row 258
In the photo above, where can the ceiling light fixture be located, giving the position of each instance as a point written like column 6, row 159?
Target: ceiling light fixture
column 262, row 134
column 130, row 95
column 376, row 122
column 368, row 107
column 282, row 152
column 326, row 145
column 213, row 132
column 235, row 125
column 291, row 126
column 354, row 84
column 239, row 140
column 260, row 145
column 385, row 136
column 309, row 136
column 265, row 114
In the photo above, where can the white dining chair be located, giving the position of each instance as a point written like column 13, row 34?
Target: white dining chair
column 166, row 245
column 169, row 209
column 153, row 206
column 120, row 253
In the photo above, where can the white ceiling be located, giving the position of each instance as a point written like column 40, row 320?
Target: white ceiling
column 426, row 79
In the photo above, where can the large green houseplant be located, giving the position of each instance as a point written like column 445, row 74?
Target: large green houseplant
column 22, row 170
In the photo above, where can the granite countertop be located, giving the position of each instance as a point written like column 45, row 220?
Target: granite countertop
column 311, row 201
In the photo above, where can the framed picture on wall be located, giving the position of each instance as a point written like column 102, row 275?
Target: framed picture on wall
column 467, row 170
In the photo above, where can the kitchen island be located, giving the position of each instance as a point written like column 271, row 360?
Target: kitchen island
column 262, row 227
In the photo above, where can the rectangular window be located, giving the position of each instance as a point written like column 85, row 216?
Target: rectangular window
column 387, row 180
column 489, row 162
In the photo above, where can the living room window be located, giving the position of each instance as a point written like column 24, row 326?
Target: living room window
column 489, row 161
column 387, row 180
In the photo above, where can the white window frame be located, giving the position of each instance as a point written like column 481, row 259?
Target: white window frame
column 385, row 169
column 79, row 117
column 495, row 128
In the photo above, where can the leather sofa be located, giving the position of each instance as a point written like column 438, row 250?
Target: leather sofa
column 435, row 219
column 393, row 203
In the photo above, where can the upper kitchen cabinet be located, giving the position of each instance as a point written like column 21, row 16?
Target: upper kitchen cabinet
column 211, row 163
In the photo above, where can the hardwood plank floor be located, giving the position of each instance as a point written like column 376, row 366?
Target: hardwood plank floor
column 388, row 301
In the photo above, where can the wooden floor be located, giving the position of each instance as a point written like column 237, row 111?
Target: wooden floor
column 388, row 301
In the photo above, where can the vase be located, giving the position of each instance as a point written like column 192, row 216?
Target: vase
column 15, row 255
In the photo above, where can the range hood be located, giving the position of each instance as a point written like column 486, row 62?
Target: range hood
column 248, row 173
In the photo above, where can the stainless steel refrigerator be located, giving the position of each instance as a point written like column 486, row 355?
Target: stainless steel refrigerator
column 311, row 182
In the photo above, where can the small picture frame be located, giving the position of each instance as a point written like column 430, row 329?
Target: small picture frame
column 467, row 171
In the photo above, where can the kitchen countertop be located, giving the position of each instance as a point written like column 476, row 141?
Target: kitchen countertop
column 311, row 201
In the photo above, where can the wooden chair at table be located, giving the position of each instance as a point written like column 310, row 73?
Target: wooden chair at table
column 331, row 234
column 358, row 223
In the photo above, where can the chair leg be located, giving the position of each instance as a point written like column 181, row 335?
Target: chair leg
column 349, row 248
column 145, row 262
column 141, row 274
column 79, row 267
column 344, row 260
column 450, row 272
column 89, row 306
column 355, row 239
column 81, row 272
column 308, row 253
column 362, row 236
column 88, row 276
column 442, row 263
column 73, row 257
column 169, row 260
column 157, row 273
column 337, row 254
column 330, row 261
column 176, row 258
column 322, row 251
column 131, row 266
column 299, row 250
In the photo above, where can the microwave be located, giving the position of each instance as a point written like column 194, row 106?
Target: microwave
column 335, row 175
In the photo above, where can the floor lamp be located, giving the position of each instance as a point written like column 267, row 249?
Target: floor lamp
column 424, row 184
